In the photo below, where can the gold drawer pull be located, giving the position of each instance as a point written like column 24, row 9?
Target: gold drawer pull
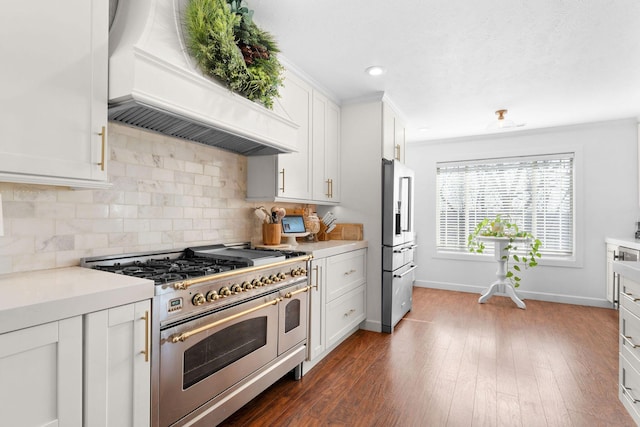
column 630, row 296
column 350, row 272
column 628, row 339
column 627, row 390
column 103, row 135
column 350, row 312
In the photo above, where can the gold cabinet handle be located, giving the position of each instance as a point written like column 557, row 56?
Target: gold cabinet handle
column 627, row 391
column 329, row 188
column 317, row 270
column 282, row 173
column 631, row 343
column 631, row 297
column 103, row 134
column 346, row 273
column 350, row 312
column 146, row 336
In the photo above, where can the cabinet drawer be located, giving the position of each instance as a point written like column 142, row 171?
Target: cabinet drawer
column 344, row 314
column 630, row 335
column 345, row 272
column 629, row 388
column 630, row 295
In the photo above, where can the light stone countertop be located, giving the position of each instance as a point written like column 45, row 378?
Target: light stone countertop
column 37, row 297
column 629, row 242
column 331, row 247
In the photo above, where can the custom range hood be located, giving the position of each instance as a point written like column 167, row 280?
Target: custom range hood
column 154, row 84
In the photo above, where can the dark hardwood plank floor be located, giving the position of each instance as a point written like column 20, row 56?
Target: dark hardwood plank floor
column 454, row 362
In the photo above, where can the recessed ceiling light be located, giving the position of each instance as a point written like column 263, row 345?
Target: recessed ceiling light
column 375, row 70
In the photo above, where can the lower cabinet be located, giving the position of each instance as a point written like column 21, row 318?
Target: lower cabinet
column 117, row 366
column 337, row 301
column 629, row 362
column 41, row 375
column 90, row 370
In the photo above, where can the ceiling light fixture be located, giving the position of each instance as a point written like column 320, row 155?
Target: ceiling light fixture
column 502, row 122
column 375, row 70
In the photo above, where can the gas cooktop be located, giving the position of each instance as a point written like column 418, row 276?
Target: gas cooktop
column 171, row 266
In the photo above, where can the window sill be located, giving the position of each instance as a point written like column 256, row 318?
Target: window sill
column 546, row 261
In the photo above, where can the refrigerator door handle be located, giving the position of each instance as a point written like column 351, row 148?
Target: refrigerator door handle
column 398, row 276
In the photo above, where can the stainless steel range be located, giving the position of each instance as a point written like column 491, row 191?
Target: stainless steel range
column 227, row 323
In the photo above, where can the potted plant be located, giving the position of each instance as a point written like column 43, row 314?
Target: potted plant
column 515, row 259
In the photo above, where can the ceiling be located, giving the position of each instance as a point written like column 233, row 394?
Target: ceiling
column 451, row 64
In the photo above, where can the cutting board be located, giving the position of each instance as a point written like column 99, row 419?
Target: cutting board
column 347, row 232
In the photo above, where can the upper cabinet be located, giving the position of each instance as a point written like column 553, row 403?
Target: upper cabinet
column 53, row 94
column 393, row 134
column 312, row 173
column 326, row 150
column 286, row 177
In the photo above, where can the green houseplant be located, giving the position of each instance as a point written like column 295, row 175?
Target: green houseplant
column 515, row 260
column 230, row 47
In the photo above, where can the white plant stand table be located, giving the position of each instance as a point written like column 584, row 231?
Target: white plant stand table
column 502, row 286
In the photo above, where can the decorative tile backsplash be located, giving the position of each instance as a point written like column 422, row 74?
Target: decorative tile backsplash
column 166, row 193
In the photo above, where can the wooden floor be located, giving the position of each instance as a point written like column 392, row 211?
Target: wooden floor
column 454, row 362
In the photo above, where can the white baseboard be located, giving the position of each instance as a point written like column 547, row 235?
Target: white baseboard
column 539, row 296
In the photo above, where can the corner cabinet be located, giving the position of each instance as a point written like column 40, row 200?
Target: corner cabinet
column 41, row 375
column 629, row 362
column 310, row 175
column 53, row 94
column 117, row 369
column 338, row 298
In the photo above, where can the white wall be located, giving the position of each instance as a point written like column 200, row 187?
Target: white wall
column 606, row 165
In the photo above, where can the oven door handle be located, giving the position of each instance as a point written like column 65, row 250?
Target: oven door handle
column 299, row 291
column 183, row 336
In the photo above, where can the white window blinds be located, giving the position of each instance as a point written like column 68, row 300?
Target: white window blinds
column 535, row 192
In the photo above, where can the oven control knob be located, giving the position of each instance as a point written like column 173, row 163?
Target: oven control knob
column 274, row 278
column 303, row 271
column 295, row 272
column 266, row 280
column 282, row 276
column 198, row 299
column 236, row 289
column 224, row 291
column 256, row 283
column 247, row 286
column 212, row 296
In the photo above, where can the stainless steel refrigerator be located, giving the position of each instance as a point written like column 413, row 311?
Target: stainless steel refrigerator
column 398, row 242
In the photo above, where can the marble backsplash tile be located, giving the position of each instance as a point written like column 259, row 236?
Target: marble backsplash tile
column 166, row 193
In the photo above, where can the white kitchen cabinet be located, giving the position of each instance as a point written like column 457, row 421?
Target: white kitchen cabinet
column 337, row 301
column 311, row 175
column 326, row 150
column 286, row 177
column 117, row 366
column 41, row 375
column 629, row 363
column 393, row 134
column 53, row 93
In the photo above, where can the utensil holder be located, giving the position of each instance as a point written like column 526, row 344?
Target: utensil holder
column 271, row 234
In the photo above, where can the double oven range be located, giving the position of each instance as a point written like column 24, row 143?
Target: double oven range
column 227, row 322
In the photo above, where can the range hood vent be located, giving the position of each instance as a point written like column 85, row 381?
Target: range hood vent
column 166, row 123
column 155, row 85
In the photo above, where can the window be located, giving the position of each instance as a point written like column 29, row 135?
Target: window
column 536, row 192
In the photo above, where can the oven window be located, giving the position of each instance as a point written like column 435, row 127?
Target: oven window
column 292, row 315
column 222, row 349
